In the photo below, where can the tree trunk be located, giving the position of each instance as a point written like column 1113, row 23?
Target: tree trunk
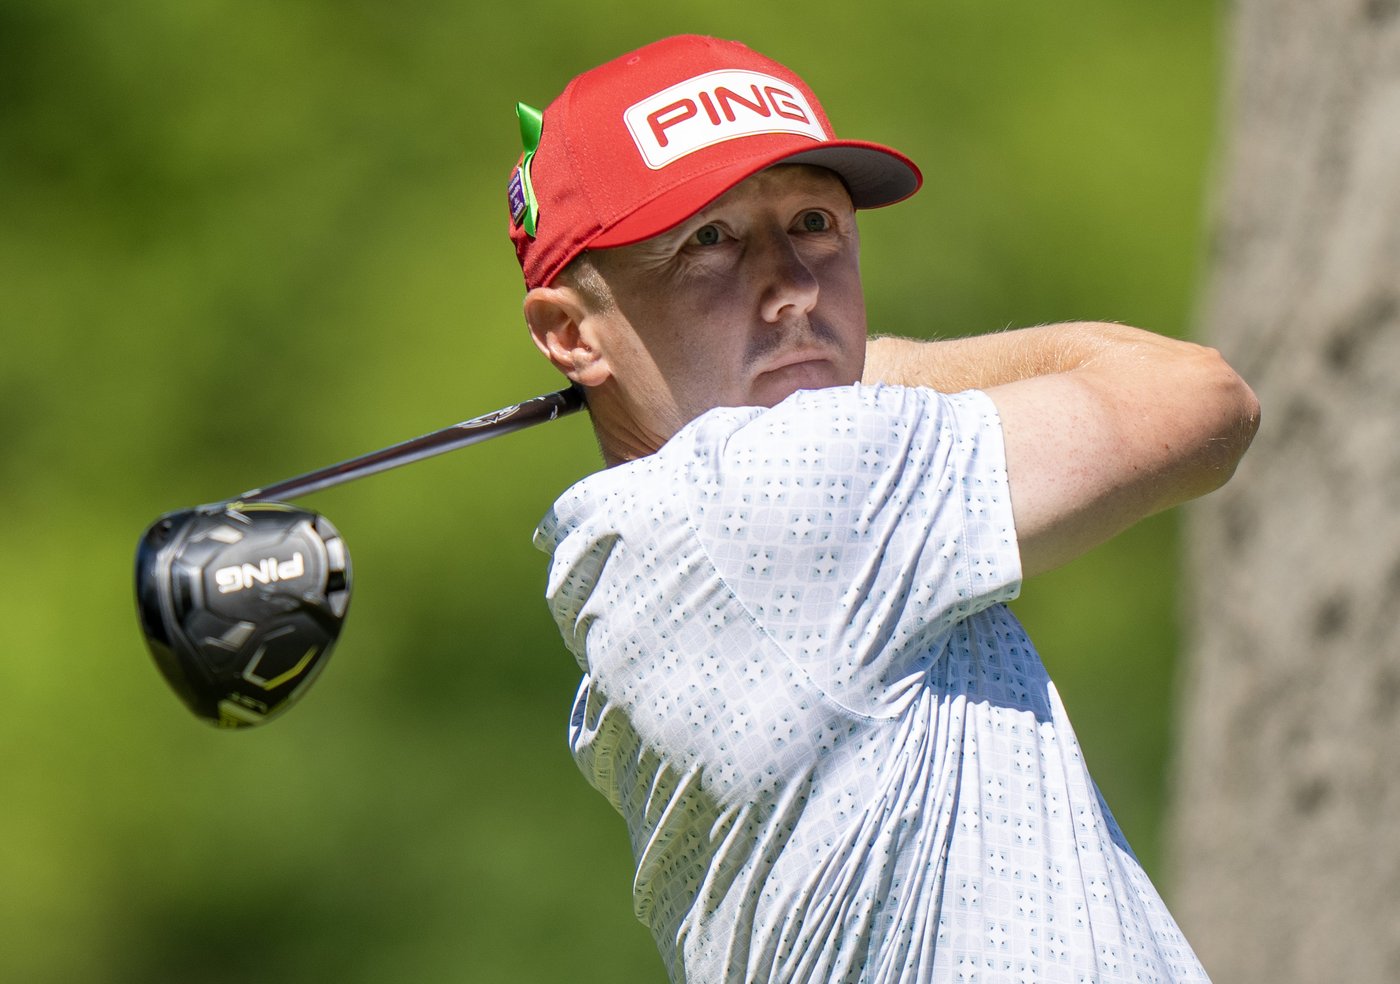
column 1286, row 835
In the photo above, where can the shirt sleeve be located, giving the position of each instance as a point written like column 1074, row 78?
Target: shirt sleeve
column 859, row 526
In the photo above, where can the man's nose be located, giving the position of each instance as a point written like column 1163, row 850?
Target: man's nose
column 789, row 285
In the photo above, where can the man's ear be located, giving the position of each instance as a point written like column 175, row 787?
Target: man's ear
column 563, row 329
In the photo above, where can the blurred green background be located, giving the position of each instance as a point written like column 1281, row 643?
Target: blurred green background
column 241, row 240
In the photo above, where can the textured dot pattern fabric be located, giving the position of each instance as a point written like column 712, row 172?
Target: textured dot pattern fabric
column 838, row 756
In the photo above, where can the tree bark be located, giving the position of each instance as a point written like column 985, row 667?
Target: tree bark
column 1286, row 832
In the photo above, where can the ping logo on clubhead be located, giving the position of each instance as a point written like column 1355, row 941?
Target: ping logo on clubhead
column 269, row 570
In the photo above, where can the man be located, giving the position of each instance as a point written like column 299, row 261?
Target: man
column 837, row 754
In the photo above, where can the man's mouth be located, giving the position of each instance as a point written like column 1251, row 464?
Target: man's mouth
column 794, row 360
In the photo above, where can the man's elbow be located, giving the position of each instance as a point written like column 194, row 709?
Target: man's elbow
column 1236, row 421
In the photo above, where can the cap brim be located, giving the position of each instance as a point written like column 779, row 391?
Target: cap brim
column 874, row 175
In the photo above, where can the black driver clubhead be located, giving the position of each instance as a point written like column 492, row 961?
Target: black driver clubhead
column 240, row 604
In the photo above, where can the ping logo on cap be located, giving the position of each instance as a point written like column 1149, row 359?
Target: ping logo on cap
column 716, row 107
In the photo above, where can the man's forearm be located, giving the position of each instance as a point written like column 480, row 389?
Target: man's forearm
column 983, row 361
column 1103, row 424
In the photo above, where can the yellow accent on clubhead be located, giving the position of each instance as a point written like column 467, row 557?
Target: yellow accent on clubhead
column 235, row 715
column 291, row 674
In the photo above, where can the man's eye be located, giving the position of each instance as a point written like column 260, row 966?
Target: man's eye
column 706, row 235
column 815, row 222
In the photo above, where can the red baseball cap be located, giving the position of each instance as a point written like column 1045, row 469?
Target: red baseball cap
column 635, row 146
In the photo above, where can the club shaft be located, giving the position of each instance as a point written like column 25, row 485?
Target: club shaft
column 478, row 429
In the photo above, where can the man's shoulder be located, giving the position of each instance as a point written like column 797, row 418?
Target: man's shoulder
column 813, row 433
column 826, row 418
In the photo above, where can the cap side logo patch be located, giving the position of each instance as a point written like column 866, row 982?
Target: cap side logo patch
column 524, row 206
column 713, row 108
column 515, row 195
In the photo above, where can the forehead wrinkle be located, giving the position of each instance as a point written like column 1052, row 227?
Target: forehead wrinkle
column 780, row 180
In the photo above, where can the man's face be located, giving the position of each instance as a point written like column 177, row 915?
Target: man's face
column 753, row 298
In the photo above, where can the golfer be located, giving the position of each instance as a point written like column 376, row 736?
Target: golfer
column 837, row 754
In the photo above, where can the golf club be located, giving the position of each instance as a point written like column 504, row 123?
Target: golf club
column 241, row 601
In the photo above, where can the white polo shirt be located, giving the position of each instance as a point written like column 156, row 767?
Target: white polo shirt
column 837, row 753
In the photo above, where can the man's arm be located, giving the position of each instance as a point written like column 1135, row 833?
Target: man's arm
column 1104, row 424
